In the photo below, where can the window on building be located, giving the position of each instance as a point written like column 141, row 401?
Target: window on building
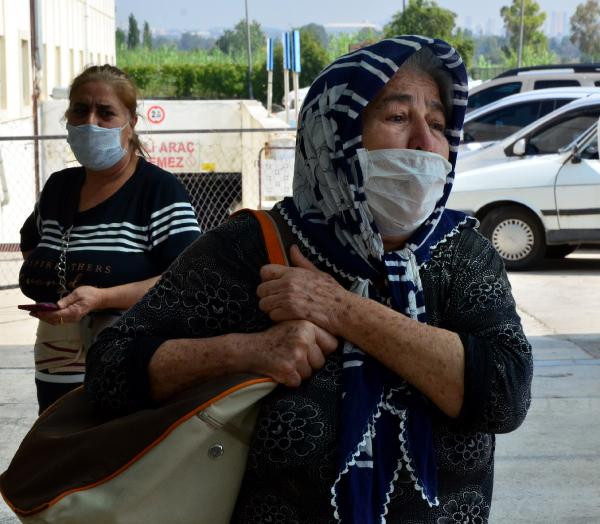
column 45, row 72
column 71, row 65
column 25, row 73
column 57, row 67
column 2, row 74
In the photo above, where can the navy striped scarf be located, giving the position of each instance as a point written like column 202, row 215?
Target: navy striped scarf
column 385, row 429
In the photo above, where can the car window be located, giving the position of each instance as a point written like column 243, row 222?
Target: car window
column 491, row 94
column 501, row 123
column 560, row 134
column 545, row 84
column 561, row 102
column 591, row 151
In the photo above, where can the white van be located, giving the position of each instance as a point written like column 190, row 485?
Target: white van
column 535, row 77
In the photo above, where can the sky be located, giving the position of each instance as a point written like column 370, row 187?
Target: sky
column 285, row 14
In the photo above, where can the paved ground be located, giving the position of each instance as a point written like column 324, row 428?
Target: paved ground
column 546, row 472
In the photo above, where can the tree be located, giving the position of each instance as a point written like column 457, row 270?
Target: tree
column 147, row 36
column 368, row 34
column 585, row 29
column 313, row 57
column 425, row 17
column 465, row 46
column 531, row 56
column 318, row 31
column 566, row 51
column 133, row 36
column 190, row 41
column 339, row 45
column 489, row 49
column 235, row 41
column 120, row 38
column 533, row 20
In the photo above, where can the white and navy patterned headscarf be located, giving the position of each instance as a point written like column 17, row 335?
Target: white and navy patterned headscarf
column 386, row 425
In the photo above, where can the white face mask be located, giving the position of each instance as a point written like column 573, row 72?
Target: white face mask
column 402, row 187
column 96, row 147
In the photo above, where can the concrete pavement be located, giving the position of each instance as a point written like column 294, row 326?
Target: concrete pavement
column 546, row 471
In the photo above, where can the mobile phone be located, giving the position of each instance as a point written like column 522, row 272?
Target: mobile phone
column 40, row 306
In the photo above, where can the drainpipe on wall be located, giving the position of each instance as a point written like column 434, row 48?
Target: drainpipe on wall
column 35, row 68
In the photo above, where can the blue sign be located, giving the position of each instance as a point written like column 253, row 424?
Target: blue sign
column 269, row 54
column 295, row 52
column 287, row 51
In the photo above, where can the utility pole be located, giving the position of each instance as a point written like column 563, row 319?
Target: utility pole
column 250, row 94
column 520, row 57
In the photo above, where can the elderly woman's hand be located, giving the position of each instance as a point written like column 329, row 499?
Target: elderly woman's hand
column 288, row 352
column 303, row 292
column 74, row 306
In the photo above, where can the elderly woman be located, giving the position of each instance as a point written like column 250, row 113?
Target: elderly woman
column 100, row 234
column 394, row 335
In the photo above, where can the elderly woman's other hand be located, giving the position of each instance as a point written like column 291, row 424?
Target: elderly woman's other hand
column 303, row 292
column 289, row 352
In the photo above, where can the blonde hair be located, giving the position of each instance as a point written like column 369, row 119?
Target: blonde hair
column 123, row 87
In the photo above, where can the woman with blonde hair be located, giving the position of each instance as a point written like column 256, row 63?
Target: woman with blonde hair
column 100, row 234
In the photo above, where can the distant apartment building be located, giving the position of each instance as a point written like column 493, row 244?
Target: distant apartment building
column 73, row 34
column 557, row 24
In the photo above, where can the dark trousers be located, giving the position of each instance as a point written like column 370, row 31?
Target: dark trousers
column 49, row 392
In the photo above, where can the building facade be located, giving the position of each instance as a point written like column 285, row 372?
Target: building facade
column 72, row 34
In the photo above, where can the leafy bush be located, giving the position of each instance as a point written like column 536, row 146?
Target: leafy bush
column 210, row 80
column 168, row 72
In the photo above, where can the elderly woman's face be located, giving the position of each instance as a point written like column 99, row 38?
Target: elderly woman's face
column 406, row 114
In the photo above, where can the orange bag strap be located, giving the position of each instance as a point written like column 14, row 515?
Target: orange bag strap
column 273, row 241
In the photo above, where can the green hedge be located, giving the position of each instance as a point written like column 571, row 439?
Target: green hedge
column 209, row 81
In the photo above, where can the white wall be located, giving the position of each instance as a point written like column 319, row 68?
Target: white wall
column 193, row 152
column 75, row 33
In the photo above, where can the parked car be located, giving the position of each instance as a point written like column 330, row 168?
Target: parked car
column 530, row 78
column 543, row 197
column 508, row 115
column 546, row 135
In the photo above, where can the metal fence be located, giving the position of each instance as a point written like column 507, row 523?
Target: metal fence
column 222, row 171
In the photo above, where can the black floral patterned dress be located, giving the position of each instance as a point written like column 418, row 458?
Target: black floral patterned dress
column 211, row 290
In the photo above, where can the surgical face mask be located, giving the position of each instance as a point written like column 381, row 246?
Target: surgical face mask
column 402, row 187
column 96, row 147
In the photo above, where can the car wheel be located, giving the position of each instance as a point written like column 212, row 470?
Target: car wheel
column 517, row 236
column 560, row 251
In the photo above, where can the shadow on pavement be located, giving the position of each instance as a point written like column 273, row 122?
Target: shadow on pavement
column 587, row 262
